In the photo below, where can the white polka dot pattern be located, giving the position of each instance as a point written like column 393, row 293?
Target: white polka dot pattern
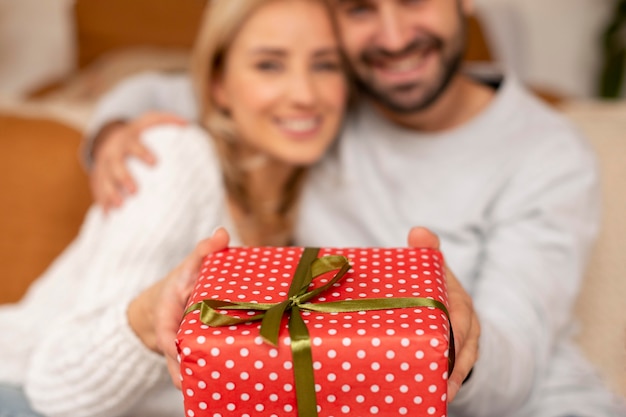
column 375, row 363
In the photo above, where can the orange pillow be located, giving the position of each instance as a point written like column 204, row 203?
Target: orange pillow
column 44, row 197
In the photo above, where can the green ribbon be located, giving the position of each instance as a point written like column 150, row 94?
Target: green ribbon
column 309, row 268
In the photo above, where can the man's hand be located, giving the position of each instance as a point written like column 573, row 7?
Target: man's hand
column 462, row 316
column 110, row 179
column 155, row 314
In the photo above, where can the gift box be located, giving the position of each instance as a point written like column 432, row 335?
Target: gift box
column 306, row 332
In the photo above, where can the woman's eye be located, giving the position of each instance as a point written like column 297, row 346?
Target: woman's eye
column 268, row 66
column 331, row 66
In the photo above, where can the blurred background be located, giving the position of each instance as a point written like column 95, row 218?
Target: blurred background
column 58, row 57
column 556, row 45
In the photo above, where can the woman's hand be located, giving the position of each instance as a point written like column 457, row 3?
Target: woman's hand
column 155, row 314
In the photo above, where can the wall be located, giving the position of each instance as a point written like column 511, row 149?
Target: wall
column 556, row 41
column 36, row 44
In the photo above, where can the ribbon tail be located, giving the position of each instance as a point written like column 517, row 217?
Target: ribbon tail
column 302, row 365
column 212, row 317
column 270, row 326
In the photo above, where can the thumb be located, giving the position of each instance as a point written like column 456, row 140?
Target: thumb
column 191, row 266
column 421, row 237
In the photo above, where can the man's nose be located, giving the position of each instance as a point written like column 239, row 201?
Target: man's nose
column 394, row 29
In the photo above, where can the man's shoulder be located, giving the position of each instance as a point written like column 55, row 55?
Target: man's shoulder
column 515, row 119
column 537, row 131
column 530, row 116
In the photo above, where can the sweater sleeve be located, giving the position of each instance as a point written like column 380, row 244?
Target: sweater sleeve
column 545, row 221
column 137, row 95
column 90, row 362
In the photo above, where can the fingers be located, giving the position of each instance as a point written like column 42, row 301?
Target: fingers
column 192, row 264
column 170, row 306
column 420, row 237
column 155, row 118
column 173, row 366
column 104, row 191
column 170, row 312
column 465, row 360
column 137, row 127
column 138, row 150
column 218, row 241
column 462, row 315
column 111, row 181
column 466, row 332
column 175, row 295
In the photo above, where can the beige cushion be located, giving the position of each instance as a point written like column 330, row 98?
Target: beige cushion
column 602, row 305
column 96, row 79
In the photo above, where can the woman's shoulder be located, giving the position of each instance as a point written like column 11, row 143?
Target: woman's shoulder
column 178, row 139
column 181, row 152
column 179, row 146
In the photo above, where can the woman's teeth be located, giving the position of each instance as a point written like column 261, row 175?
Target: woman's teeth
column 299, row 125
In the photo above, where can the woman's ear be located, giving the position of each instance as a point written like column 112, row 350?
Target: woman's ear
column 219, row 93
column 467, row 7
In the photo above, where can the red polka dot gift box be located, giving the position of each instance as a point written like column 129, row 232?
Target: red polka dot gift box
column 317, row 332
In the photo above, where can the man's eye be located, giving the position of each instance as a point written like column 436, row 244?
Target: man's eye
column 358, row 10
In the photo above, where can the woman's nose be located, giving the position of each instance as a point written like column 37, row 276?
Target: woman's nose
column 302, row 89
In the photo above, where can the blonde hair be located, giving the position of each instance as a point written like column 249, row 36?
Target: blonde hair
column 220, row 25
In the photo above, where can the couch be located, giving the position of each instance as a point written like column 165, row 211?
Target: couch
column 45, row 193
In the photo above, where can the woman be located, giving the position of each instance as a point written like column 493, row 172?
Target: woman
column 272, row 89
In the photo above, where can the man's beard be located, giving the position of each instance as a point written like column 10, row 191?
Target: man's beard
column 390, row 98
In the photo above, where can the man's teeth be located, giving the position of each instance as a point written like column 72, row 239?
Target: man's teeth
column 403, row 65
column 299, row 125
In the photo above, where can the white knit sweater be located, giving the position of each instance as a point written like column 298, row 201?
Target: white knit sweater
column 71, row 345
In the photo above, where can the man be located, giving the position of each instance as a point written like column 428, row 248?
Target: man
column 509, row 187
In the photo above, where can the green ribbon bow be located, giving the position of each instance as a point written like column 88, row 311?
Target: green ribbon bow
column 309, row 268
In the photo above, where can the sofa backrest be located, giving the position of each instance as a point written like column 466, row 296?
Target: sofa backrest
column 103, row 26
column 106, row 25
